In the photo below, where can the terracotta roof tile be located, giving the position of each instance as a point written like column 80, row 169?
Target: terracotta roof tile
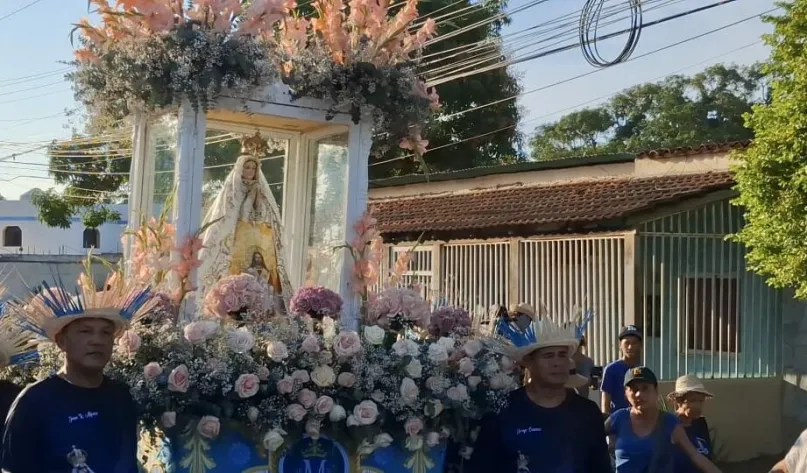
column 570, row 203
column 694, row 150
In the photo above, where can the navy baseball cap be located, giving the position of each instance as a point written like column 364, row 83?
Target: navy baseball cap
column 641, row 373
column 630, row 331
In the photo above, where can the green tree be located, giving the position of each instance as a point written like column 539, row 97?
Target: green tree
column 772, row 174
column 464, row 93
column 677, row 111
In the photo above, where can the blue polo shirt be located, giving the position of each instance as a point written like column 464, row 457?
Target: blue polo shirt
column 613, row 383
column 52, row 419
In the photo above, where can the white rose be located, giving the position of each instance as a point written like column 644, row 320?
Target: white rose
column 499, row 381
column 382, row 440
column 472, row 347
column 352, row 421
column 437, row 353
column 346, row 379
column 466, row 367
column 323, row 376
column 366, row 412
column 414, row 369
column 277, row 351
column 405, row 347
column 347, row 344
column 378, row 396
column 300, row 376
column 273, row 440
column 436, row 384
column 458, row 393
column 473, row 381
column 447, row 342
column 240, row 341
column 374, row 334
column 409, row 391
column 432, row 439
column 337, row 413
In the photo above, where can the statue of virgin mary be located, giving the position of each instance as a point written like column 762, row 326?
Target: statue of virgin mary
column 243, row 231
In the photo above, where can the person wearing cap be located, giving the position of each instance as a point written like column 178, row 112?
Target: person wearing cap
column 76, row 420
column 643, row 436
column 688, row 400
column 796, row 459
column 545, row 427
column 613, row 392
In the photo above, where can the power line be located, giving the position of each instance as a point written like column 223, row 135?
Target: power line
column 29, row 5
column 692, row 38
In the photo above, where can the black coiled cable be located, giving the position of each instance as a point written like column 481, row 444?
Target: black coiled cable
column 589, row 36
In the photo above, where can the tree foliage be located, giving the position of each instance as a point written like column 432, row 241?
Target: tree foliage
column 772, row 175
column 678, row 111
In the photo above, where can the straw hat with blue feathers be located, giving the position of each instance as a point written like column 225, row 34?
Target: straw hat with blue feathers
column 510, row 340
column 122, row 301
column 17, row 345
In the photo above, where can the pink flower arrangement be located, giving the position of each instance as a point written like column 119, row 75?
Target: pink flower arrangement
column 235, row 294
column 398, row 307
column 317, row 301
column 447, row 320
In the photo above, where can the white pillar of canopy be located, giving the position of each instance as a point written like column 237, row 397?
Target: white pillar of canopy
column 141, row 177
column 271, row 110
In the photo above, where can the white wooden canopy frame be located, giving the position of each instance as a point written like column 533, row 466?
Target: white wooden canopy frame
column 303, row 124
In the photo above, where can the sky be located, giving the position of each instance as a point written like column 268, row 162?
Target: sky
column 36, row 40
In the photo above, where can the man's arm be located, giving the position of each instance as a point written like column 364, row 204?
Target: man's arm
column 487, row 452
column 780, row 467
column 599, row 459
column 605, row 397
column 22, row 440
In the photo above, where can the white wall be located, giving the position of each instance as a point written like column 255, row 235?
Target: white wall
column 20, row 273
column 39, row 239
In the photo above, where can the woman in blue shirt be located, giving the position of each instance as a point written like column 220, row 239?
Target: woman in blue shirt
column 643, row 436
column 688, row 398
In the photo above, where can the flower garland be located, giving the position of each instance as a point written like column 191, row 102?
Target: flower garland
column 360, row 56
column 148, row 55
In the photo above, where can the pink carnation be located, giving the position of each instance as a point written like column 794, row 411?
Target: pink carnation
column 317, row 301
column 447, row 320
column 399, row 306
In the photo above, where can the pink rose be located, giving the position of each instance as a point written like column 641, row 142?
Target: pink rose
column 152, row 370
column 458, row 393
column 466, row 367
column 178, row 379
column 413, row 426
column 247, row 385
column 301, row 376
column 310, row 344
column 263, row 373
column 324, row 405
column 208, row 427
column 277, row 351
column 365, row 412
column 346, row 379
column 295, row 412
column 347, row 344
column 168, row 419
column 230, row 302
column 197, row 332
column 129, row 343
column 285, row 385
column 307, row 398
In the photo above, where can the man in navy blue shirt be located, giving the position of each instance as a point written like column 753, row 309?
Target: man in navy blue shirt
column 76, row 420
column 545, row 428
column 612, row 386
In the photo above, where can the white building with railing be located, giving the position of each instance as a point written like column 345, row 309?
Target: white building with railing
column 640, row 240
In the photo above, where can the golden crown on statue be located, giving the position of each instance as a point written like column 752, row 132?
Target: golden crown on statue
column 254, row 145
column 314, row 450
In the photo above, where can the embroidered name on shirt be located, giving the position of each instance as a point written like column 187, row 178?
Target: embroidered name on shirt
column 82, row 416
column 528, row 430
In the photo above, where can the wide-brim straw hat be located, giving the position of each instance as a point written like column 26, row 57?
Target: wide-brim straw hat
column 688, row 384
column 523, row 308
column 543, row 333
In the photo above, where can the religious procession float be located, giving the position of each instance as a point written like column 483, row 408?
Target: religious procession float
column 241, row 361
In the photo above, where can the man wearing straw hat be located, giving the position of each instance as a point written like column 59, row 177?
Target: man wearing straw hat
column 688, row 400
column 76, row 420
column 545, row 427
column 16, row 347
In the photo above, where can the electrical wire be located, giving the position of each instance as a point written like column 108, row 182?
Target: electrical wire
column 14, row 12
column 649, row 53
column 589, row 32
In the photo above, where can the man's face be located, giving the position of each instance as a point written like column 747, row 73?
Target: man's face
column 548, row 366
column 631, row 346
column 87, row 343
